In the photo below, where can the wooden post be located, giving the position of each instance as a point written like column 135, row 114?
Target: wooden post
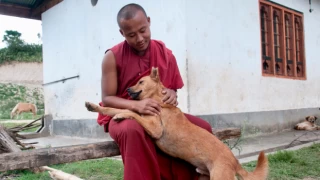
column 68, row 154
column 228, row 133
column 57, row 155
column 7, row 144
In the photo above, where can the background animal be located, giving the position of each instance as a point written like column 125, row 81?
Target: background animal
column 24, row 107
column 308, row 124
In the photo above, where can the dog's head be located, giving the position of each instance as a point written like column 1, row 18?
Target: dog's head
column 311, row 119
column 147, row 86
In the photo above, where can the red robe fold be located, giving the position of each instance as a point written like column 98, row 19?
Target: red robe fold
column 129, row 71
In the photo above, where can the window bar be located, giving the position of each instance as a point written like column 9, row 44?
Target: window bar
column 272, row 42
column 299, row 47
column 303, row 57
column 278, row 43
column 288, row 42
column 297, row 26
column 294, row 47
column 284, row 40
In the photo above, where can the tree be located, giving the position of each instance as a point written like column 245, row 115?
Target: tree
column 12, row 38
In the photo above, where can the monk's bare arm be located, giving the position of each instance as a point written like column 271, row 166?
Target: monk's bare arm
column 109, row 85
column 109, row 90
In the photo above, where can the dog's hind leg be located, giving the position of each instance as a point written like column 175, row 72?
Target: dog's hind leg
column 152, row 125
column 311, row 128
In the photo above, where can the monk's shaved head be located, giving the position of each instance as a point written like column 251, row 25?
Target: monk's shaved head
column 129, row 11
column 134, row 26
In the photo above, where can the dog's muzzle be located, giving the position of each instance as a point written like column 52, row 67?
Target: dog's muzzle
column 134, row 95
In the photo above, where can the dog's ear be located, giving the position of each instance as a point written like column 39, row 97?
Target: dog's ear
column 154, row 74
column 307, row 118
column 315, row 118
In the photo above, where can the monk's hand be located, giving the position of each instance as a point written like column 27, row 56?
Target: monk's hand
column 148, row 107
column 170, row 97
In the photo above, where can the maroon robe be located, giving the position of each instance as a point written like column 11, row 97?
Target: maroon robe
column 131, row 67
column 141, row 158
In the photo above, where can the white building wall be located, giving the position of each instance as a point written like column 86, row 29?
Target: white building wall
column 224, row 58
column 216, row 44
column 75, row 37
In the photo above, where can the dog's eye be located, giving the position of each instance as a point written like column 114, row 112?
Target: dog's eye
column 140, row 82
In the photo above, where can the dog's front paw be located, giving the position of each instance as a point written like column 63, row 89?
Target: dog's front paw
column 91, row 107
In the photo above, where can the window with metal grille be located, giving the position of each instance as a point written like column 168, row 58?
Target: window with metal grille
column 282, row 41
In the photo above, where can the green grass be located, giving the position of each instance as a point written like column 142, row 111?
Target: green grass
column 11, row 125
column 97, row 169
column 23, row 116
column 11, row 94
column 285, row 165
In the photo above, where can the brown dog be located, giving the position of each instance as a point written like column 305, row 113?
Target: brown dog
column 177, row 136
column 308, row 124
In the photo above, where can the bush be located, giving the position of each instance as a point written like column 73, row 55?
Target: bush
column 21, row 53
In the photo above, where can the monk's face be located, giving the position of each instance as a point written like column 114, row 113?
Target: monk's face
column 136, row 31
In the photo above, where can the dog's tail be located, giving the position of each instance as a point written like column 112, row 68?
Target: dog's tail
column 261, row 171
column 14, row 110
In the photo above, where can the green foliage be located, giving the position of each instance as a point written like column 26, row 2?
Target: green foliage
column 298, row 164
column 12, row 125
column 23, row 53
column 12, row 38
column 96, row 169
column 18, row 50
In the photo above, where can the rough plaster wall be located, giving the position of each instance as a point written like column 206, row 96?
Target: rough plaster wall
column 219, row 41
column 75, row 37
column 21, row 73
column 223, row 42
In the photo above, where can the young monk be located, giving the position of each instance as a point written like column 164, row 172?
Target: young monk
column 123, row 65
